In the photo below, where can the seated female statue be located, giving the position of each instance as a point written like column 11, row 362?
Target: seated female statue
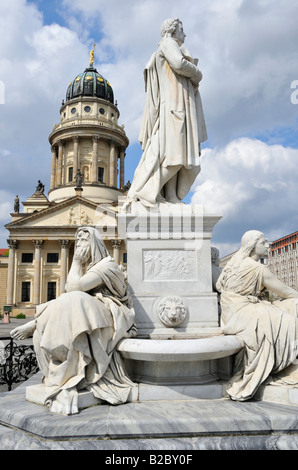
column 75, row 335
column 268, row 329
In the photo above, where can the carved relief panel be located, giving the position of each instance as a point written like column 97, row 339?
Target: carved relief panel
column 169, row 265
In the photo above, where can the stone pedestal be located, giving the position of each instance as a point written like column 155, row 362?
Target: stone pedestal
column 169, row 270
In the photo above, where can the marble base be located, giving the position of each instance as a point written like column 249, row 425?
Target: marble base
column 140, row 393
column 183, row 363
column 171, row 425
column 169, row 261
column 36, row 394
column 278, row 394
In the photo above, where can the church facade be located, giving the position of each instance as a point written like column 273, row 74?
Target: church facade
column 87, row 179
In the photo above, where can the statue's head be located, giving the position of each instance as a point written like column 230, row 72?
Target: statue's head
column 250, row 240
column 214, row 255
column 83, row 240
column 253, row 243
column 173, row 27
column 90, row 238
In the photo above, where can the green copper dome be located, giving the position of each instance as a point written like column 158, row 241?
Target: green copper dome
column 90, row 83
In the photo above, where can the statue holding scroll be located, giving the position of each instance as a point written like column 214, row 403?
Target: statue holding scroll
column 173, row 124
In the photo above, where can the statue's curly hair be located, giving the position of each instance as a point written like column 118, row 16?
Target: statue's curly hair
column 169, row 26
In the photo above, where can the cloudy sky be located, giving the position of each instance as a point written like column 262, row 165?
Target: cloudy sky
column 248, row 54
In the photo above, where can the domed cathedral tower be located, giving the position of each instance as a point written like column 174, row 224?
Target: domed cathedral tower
column 87, row 178
column 88, row 145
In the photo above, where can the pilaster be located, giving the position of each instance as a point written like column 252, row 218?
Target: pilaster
column 37, row 265
column 13, row 245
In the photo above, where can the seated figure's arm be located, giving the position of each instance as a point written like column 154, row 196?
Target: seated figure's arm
column 87, row 282
column 275, row 285
column 76, row 280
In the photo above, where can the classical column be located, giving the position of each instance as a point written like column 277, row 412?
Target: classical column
column 64, row 167
column 122, row 155
column 94, row 171
column 13, row 245
column 116, row 250
column 60, row 160
column 37, row 257
column 75, row 155
column 113, row 165
column 64, row 244
column 53, row 167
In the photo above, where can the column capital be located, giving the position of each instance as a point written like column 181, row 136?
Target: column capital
column 75, row 138
column 13, row 244
column 95, row 138
column 54, row 148
column 61, row 144
column 38, row 243
column 64, row 243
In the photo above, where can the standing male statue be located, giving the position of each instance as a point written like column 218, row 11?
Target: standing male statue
column 79, row 179
column 16, row 205
column 173, row 124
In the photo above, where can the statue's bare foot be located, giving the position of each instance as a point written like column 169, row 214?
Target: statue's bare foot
column 23, row 331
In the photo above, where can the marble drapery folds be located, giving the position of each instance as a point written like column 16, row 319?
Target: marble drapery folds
column 76, row 335
column 173, row 125
column 268, row 329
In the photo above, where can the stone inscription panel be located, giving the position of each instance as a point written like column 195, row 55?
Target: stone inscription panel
column 169, row 265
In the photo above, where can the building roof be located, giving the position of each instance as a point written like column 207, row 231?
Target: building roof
column 284, row 241
column 90, row 83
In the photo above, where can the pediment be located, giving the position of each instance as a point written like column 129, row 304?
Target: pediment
column 73, row 212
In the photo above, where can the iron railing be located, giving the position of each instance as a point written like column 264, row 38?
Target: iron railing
column 17, row 362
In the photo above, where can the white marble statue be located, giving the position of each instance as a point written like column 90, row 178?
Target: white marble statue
column 75, row 335
column 173, row 125
column 268, row 329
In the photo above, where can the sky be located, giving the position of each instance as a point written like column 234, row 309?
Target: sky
column 248, row 55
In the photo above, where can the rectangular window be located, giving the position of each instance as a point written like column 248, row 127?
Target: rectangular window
column 26, row 291
column 124, row 257
column 70, row 174
column 52, row 257
column 51, row 290
column 27, row 257
column 100, row 174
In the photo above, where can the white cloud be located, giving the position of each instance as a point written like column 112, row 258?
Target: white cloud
column 247, row 53
column 253, row 185
column 6, row 206
column 248, row 61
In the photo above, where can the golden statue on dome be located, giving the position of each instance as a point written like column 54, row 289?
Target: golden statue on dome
column 92, row 56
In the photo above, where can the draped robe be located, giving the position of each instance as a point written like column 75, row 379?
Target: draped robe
column 268, row 329
column 173, row 125
column 75, row 341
